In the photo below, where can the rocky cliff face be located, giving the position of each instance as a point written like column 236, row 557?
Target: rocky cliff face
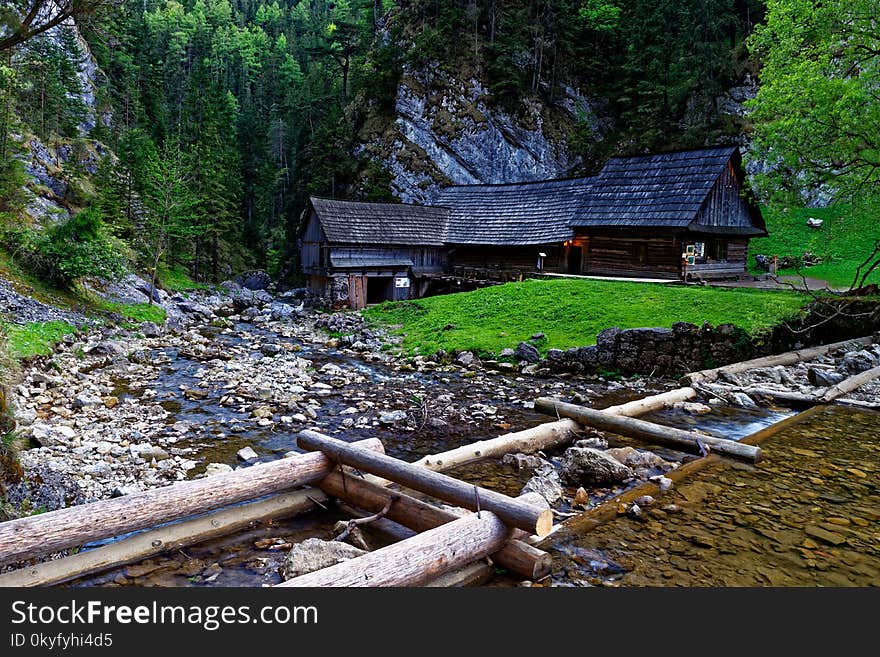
column 446, row 131
column 50, row 166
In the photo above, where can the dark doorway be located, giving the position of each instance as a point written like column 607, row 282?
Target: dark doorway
column 575, row 257
column 379, row 288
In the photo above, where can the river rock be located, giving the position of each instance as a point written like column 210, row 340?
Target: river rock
column 743, row 400
column 527, row 352
column 523, row 461
column 859, row 361
column 546, row 483
column 253, row 280
column 822, row 378
column 26, row 416
column 270, row 349
column 314, row 554
column 694, row 408
column 149, row 452
column 217, row 468
column 634, row 458
column 591, row 467
column 49, row 435
column 247, row 454
column 391, row 417
column 86, row 399
column 150, row 330
column 465, row 359
column 105, row 348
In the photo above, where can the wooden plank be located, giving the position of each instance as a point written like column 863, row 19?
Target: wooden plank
column 652, row 403
column 417, row 560
column 517, row 556
column 787, row 358
column 33, row 536
column 163, row 539
column 655, row 433
column 514, row 512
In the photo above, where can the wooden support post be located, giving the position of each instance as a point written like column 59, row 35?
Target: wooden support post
column 517, row 556
column 652, row 403
column 544, row 436
column 33, row 536
column 655, row 433
column 419, row 559
column 788, row 358
column 163, row 539
column 514, row 512
column 848, row 385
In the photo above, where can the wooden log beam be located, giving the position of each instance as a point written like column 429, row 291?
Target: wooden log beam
column 788, row 358
column 33, row 536
column 164, row 539
column 655, row 433
column 848, row 385
column 473, row 574
column 514, row 512
column 517, row 556
column 652, row 403
column 419, row 559
column 544, row 436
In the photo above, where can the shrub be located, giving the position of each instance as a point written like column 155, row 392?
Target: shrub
column 67, row 251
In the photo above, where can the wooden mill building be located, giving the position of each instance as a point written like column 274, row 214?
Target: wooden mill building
column 679, row 215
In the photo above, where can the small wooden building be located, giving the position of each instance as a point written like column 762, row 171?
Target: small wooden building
column 681, row 215
column 358, row 253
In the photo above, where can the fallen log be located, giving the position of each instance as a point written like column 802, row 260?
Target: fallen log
column 33, row 536
column 788, row 358
column 655, row 433
column 848, row 385
column 652, row 403
column 544, row 436
column 473, row 574
column 514, row 512
column 163, row 539
column 517, row 556
column 417, row 560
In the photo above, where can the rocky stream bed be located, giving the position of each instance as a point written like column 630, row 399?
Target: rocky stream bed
column 231, row 378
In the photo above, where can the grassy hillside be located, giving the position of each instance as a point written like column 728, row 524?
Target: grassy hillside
column 843, row 242
column 570, row 313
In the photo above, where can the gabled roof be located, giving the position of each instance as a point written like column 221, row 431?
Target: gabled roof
column 513, row 214
column 647, row 191
column 354, row 222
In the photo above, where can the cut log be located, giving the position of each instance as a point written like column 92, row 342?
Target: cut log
column 473, row 574
column 166, row 538
column 517, row 556
column 33, row 536
column 654, row 433
column 652, row 403
column 419, row 559
column 848, row 385
column 544, row 436
column 514, row 512
column 788, row 358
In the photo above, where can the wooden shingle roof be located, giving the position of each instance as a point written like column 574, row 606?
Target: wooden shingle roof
column 652, row 191
column 513, row 214
column 354, row 222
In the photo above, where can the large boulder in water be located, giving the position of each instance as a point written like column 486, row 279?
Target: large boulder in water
column 314, row 554
column 254, row 280
column 585, row 466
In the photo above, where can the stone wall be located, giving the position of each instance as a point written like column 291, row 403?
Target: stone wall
column 659, row 351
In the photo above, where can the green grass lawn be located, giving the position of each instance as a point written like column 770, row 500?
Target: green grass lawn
column 177, row 279
column 36, row 338
column 571, row 313
column 136, row 312
column 844, row 241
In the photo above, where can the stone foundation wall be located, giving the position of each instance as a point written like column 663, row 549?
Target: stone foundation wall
column 659, row 351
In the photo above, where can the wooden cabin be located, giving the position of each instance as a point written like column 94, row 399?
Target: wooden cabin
column 357, row 253
column 681, row 215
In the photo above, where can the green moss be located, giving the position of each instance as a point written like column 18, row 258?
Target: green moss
column 136, row 312
column 571, row 312
column 177, row 279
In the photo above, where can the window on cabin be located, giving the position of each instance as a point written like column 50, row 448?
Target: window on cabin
column 718, row 250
